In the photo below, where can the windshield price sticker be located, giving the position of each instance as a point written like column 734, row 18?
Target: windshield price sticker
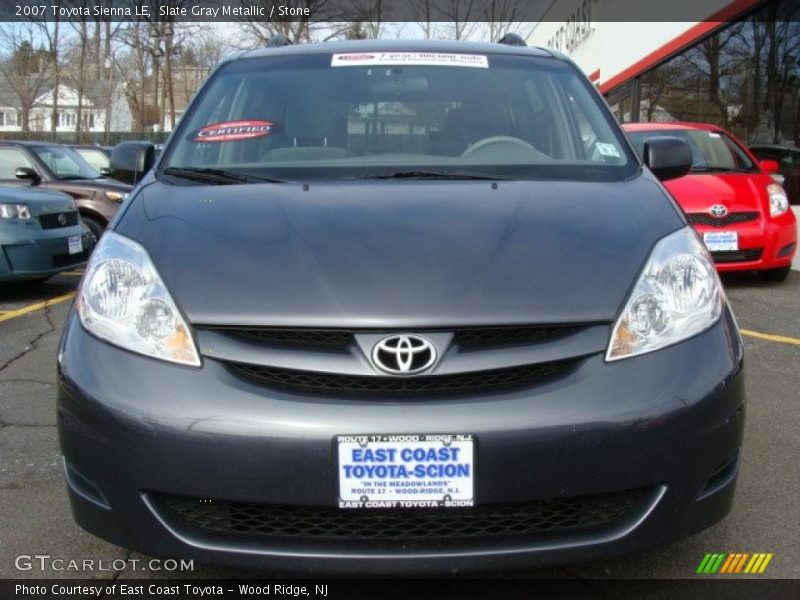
column 405, row 471
column 396, row 59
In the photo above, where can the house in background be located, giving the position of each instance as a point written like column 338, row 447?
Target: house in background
column 101, row 103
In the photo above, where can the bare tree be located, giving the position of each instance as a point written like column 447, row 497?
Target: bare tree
column 53, row 35
column 369, row 17
column 25, row 69
column 258, row 31
column 461, row 16
column 422, row 12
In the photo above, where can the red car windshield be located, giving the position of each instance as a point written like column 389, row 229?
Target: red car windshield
column 712, row 151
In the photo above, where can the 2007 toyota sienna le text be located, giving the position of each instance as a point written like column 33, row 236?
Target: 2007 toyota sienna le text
column 400, row 306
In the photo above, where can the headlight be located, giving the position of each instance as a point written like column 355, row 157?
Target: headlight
column 115, row 196
column 14, row 211
column 778, row 202
column 678, row 295
column 123, row 301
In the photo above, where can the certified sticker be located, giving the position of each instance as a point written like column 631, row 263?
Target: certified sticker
column 233, row 131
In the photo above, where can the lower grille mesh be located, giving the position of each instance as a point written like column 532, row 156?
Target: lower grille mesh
column 298, row 522
column 473, row 381
column 728, row 256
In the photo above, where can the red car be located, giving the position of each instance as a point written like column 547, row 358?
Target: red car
column 730, row 198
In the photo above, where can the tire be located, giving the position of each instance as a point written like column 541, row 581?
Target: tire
column 96, row 226
column 775, row 275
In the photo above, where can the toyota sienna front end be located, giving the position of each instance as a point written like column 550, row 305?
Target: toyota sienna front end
column 400, row 306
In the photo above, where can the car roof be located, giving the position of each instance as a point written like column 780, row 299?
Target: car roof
column 28, row 143
column 671, row 126
column 395, row 46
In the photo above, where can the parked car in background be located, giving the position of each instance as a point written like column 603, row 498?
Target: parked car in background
column 97, row 156
column 730, row 199
column 41, row 234
column 788, row 159
column 58, row 167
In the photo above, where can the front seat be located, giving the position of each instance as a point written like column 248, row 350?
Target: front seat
column 311, row 132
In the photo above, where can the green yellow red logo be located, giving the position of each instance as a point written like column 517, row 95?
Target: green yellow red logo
column 735, row 562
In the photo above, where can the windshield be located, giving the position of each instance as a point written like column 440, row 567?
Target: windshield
column 65, row 163
column 400, row 113
column 712, row 151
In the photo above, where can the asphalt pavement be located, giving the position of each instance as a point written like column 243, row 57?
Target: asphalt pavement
column 35, row 517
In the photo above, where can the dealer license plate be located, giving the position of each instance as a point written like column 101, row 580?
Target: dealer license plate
column 75, row 244
column 717, row 241
column 405, row 471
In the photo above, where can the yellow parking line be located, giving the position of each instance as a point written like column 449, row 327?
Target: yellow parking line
column 71, row 273
column 13, row 314
column 783, row 339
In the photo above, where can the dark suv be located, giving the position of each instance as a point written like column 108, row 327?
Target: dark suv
column 57, row 167
column 400, row 306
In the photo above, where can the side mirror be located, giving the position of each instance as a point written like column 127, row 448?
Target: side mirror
column 769, row 166
column 28, row 173
column 130, row 161
column 667, row 157
column 105, row 171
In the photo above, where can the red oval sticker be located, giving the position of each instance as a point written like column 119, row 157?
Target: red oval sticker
column 232, row 131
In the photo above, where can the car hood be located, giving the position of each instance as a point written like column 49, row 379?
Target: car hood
column 39, row 201
column 736, row 191
column 400, row 254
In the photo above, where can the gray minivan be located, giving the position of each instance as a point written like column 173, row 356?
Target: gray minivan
column 399, row 306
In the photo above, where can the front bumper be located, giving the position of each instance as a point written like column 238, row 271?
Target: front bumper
column 132, row 428
column 763, row 244
column 33, row 254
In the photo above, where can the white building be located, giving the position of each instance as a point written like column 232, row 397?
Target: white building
column 94, row 110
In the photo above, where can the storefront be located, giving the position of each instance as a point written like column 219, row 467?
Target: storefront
column 737, row 65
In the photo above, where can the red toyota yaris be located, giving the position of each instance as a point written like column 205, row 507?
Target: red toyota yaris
column 730, row 198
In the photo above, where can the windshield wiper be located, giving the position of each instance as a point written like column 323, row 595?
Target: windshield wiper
column 433, row 175
column 218, row 176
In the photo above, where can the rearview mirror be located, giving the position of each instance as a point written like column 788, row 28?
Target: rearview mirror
column 130, row 161
column 667, row 157
column 28, row 173
column 769, row 166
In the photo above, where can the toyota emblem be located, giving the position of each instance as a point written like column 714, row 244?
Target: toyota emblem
column 62, row 219
column 718, row 211
column 404, row 354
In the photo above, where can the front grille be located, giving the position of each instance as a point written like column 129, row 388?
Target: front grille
column 729, row 219
column 50, row 220
column 64, row 260
column 468, row 382
column 730, row 256
column 323, row 338
column 341, row 338
column 480, row 336
column 584, row 513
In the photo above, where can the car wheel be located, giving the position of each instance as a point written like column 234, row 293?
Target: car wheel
column 775, row 275
column 96, row 226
